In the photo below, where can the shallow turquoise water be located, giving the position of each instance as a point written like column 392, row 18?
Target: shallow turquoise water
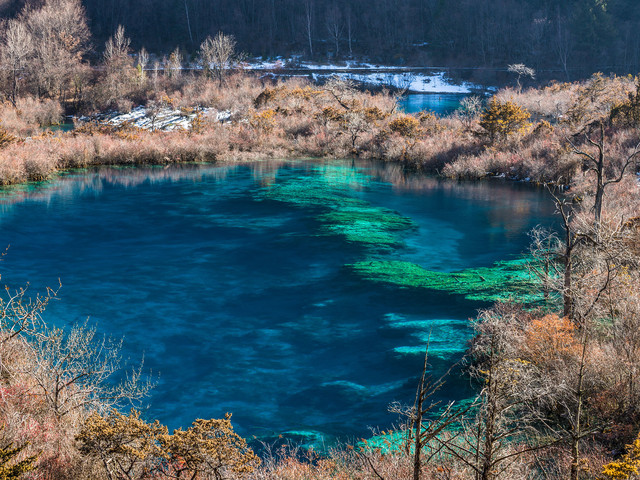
column 233, row 281
column 441, row 103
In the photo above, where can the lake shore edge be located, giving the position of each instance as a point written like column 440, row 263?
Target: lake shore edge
column 523, row 135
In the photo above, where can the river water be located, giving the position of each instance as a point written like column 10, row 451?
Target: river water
column 246, row 289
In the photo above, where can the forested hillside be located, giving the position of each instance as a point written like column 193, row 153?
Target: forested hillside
column 568, row 36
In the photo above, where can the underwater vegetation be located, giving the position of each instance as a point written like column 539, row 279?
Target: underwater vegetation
column 330, row 188
column 504, row 280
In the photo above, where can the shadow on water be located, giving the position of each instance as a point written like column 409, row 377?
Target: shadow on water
column 236, row 284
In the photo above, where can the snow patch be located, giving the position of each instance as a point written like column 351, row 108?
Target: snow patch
column 413, row 79
column 410, row 81
column 165, row 119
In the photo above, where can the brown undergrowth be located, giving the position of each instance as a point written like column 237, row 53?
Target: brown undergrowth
column 292, row 118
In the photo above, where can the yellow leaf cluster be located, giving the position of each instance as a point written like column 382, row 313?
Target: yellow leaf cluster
column 374, row 114
column 209, row 444
column 501, row 119
column 265, row 120
column 6, row 138
column 627, row 113
column 127, row 446
column 627, row 466
column 405, row 126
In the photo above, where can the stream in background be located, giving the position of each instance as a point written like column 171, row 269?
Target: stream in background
column 442, row 104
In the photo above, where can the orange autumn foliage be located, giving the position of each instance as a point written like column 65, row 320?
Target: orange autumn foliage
column 551, row 336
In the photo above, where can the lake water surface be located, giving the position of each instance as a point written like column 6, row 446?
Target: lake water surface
column 237, row 283
column 440, row 103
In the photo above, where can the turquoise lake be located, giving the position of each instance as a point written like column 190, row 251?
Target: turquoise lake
column 237, row 282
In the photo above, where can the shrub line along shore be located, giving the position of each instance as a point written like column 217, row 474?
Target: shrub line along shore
column 518, row 134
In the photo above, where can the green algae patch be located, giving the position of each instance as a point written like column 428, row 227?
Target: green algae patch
column 331, row 189
column 312, row 192
column 506, row 280
column 328, row 186
column 366, row 224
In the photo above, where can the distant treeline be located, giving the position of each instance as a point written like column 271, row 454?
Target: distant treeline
column 569, row 36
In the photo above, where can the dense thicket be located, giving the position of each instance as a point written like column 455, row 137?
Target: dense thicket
column 568, row 36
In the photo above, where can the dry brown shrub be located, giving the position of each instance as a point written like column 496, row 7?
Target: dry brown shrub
column 466, row 166
column 297, row 125
column 238, row 93
column 549, row 337
column 14, row 124
column 546, row 159
column 320, row 143
column 42, row 112
column 554, row 463
column 596, row 97
column 550, row 103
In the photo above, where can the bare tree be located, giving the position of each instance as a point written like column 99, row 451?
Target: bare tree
column 335, row 26
column 74, row 370
column 175, row 64
column 470, row 108
column 625, row 337
column 117, row 47
column 505, row 425
column 349, row 30
column 308, row 24
column 21, row 316
column 563, row 42
column 186, row 9
column 143, row 61
column 342, row 90
column 119, row 73
column 596, row 270
column 424, row 431
column 575, row 411
column 218, row 55
column 521, row 70
column 565, row 249
column 607, row 171
column 60, row 38
column 156, row 70
column 17, row 46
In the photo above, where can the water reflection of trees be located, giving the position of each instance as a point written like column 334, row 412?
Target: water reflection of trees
column 511, row 205
column 94, row 181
